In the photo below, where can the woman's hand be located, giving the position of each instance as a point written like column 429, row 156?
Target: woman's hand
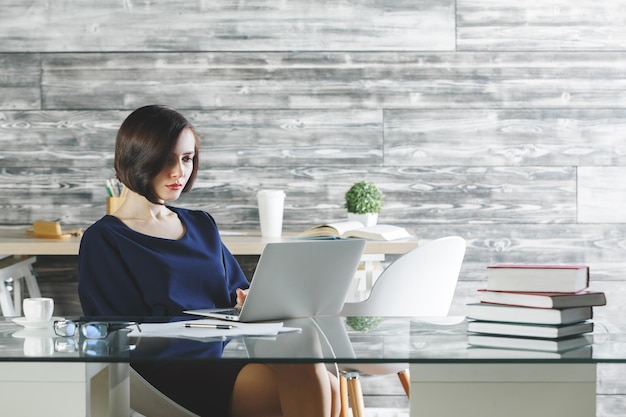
column 241, row 297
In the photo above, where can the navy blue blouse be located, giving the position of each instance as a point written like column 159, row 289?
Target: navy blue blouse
column 122, row 272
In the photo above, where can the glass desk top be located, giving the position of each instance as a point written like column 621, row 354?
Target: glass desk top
column 328, row 339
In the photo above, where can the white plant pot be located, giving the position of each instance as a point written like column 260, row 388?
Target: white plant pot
column 367, row 219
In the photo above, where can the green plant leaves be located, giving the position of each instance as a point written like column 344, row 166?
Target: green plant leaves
column 364, row 197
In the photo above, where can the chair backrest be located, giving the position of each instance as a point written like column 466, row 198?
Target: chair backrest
column 419, row 283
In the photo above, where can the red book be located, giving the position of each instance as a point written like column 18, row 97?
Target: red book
column 544, row 299
column 537, row 278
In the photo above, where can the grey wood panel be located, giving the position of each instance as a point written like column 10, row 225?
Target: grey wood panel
column 495, row 137
column 58, row 140
column 601, row 246
column 270, row 138
column 333, row 80
column 226, row 25
column 65, row 194
column 601, row 194
column 229, row 138
column 414, row 196
column 584, row 25
column 610, row 405
column 54, row 164
column 611, row 377
column 20, row 78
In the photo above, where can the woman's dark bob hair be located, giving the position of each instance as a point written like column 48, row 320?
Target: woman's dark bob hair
column 144, row 147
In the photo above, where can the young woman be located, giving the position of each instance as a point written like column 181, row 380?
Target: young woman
column 151, row 259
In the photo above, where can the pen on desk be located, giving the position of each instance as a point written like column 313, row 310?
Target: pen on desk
column 211, row 326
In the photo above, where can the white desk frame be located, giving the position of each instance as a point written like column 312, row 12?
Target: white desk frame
column 69, row 389
column 503, row 389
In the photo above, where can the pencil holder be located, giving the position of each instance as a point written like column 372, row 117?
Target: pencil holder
column 113, row 203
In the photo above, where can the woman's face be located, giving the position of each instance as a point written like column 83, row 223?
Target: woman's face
column 169, row 183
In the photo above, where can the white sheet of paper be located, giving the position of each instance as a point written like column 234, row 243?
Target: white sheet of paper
column 178, row 329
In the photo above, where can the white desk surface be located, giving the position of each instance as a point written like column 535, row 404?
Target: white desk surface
column 16, row 242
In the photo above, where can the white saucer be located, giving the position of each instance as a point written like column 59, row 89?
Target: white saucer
column 34, row 333
column 35, row 324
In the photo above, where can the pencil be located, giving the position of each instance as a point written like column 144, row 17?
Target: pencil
column 211, row 326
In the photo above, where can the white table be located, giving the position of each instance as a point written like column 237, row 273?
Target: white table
column 446, row 379
column 68, row 389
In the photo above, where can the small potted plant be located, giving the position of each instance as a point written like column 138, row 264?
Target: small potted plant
column 364, row 201
column 363, row 323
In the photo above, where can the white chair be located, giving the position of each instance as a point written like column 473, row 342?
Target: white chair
column 146, row 400
column 419, row 283
column 14, row 270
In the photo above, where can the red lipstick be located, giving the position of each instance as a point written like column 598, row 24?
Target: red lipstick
column 175, row 187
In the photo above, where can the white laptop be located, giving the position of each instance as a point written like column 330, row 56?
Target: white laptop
column 302, row 278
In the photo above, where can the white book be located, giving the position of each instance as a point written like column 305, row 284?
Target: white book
column 514, row 314
column 480, row 352
column 544, row 299
column 530, row 330
column 537, row 278
column 527, row 343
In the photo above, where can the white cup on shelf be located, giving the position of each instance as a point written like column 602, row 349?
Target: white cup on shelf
column 271, row 206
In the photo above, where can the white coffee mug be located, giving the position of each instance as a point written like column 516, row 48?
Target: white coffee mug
column 38, row 309
column 271, row 204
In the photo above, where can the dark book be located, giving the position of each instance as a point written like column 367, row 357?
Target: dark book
column 515, row 314
column 544, row 299
column 537, row 278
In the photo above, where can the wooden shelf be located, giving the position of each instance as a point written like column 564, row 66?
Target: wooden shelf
column 17, row 242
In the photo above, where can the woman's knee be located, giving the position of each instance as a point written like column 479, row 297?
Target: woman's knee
column 256, row 392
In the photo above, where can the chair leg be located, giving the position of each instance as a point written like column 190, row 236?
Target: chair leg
column 405, row 380
column 13, row 269
column 343, row 392
column 31, row 278
column 6, row 303
column 356, row 394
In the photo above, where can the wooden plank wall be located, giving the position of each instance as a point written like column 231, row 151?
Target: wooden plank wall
column 502, row 122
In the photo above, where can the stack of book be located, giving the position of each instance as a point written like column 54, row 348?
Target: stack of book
column 534, row 307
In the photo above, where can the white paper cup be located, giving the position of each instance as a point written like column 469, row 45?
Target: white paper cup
column 38, row 309
column 271, row 205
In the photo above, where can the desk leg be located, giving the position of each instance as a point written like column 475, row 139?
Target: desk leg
column 69, row 389
column 368, row 271
column 495, row 390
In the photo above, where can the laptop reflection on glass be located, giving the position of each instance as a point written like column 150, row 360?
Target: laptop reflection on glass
column 297, row 279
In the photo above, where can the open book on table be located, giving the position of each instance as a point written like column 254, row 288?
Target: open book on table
column 352, row 229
